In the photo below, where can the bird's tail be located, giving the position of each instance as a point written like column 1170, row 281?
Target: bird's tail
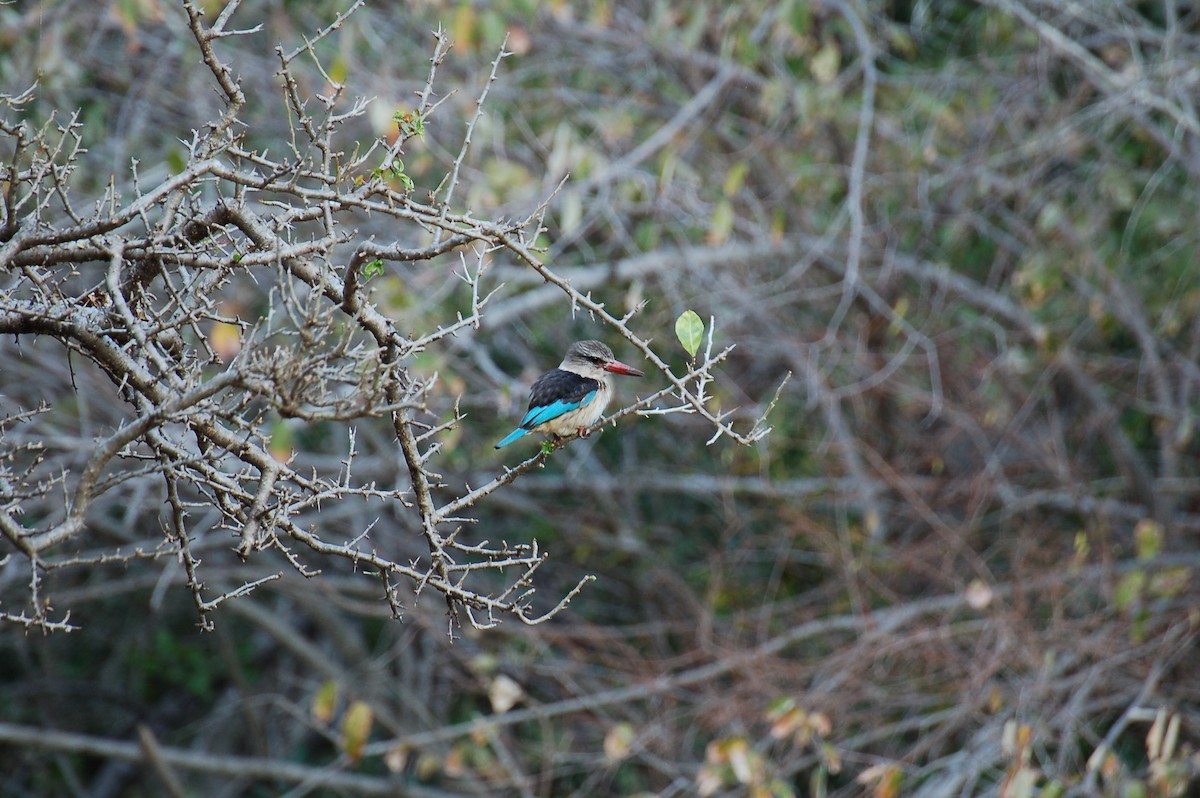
column 512, row 436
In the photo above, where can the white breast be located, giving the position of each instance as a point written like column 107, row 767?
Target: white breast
column 581, row 417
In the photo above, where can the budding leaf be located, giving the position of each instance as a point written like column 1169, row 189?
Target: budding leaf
column 689, row 329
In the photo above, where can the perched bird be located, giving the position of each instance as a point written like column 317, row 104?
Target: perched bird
column 572, row 397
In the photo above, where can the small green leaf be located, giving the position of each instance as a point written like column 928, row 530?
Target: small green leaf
column 410, row 124
column 689, row 329
column 373, row 269
column 1129, row 589
column 394, row 171
column 734, row 178
column 175, row 161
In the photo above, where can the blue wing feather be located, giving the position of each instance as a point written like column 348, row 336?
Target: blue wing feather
column 540, row 415
column 553, row 394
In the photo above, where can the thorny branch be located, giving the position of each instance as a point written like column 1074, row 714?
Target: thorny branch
column 143, row 292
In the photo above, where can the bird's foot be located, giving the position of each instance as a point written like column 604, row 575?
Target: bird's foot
column 583, row 432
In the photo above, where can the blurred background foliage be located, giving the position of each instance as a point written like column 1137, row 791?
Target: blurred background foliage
column 981, row 495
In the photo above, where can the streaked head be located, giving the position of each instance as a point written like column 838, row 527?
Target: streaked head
column 586, row 356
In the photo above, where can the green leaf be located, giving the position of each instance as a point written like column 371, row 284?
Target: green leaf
column 410, row 124
column 734, row 178
column 175, row 161
column 1129, row 589
column 689, row 329
column 372, row 269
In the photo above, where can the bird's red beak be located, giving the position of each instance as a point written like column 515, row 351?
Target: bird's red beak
column 617, row 367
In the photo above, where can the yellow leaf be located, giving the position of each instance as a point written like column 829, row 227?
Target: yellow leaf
column 739, row 760
column 338, row 70
column 1082, row 548
column 824, row 65
column 427, row 766
column 1170, row 582
column 356, row 728
column 1147, row 537
column 324, row 702
column 787, row 723
column 831, row 758
column 886, row 778
column 226, row 340
column 889, row 785
column 601, row 14
column 995, row 701
column 734, row 178
column 778, row 225
column 618, row 742
column 1154, row 737
column 721, row 224
column 464, row 28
